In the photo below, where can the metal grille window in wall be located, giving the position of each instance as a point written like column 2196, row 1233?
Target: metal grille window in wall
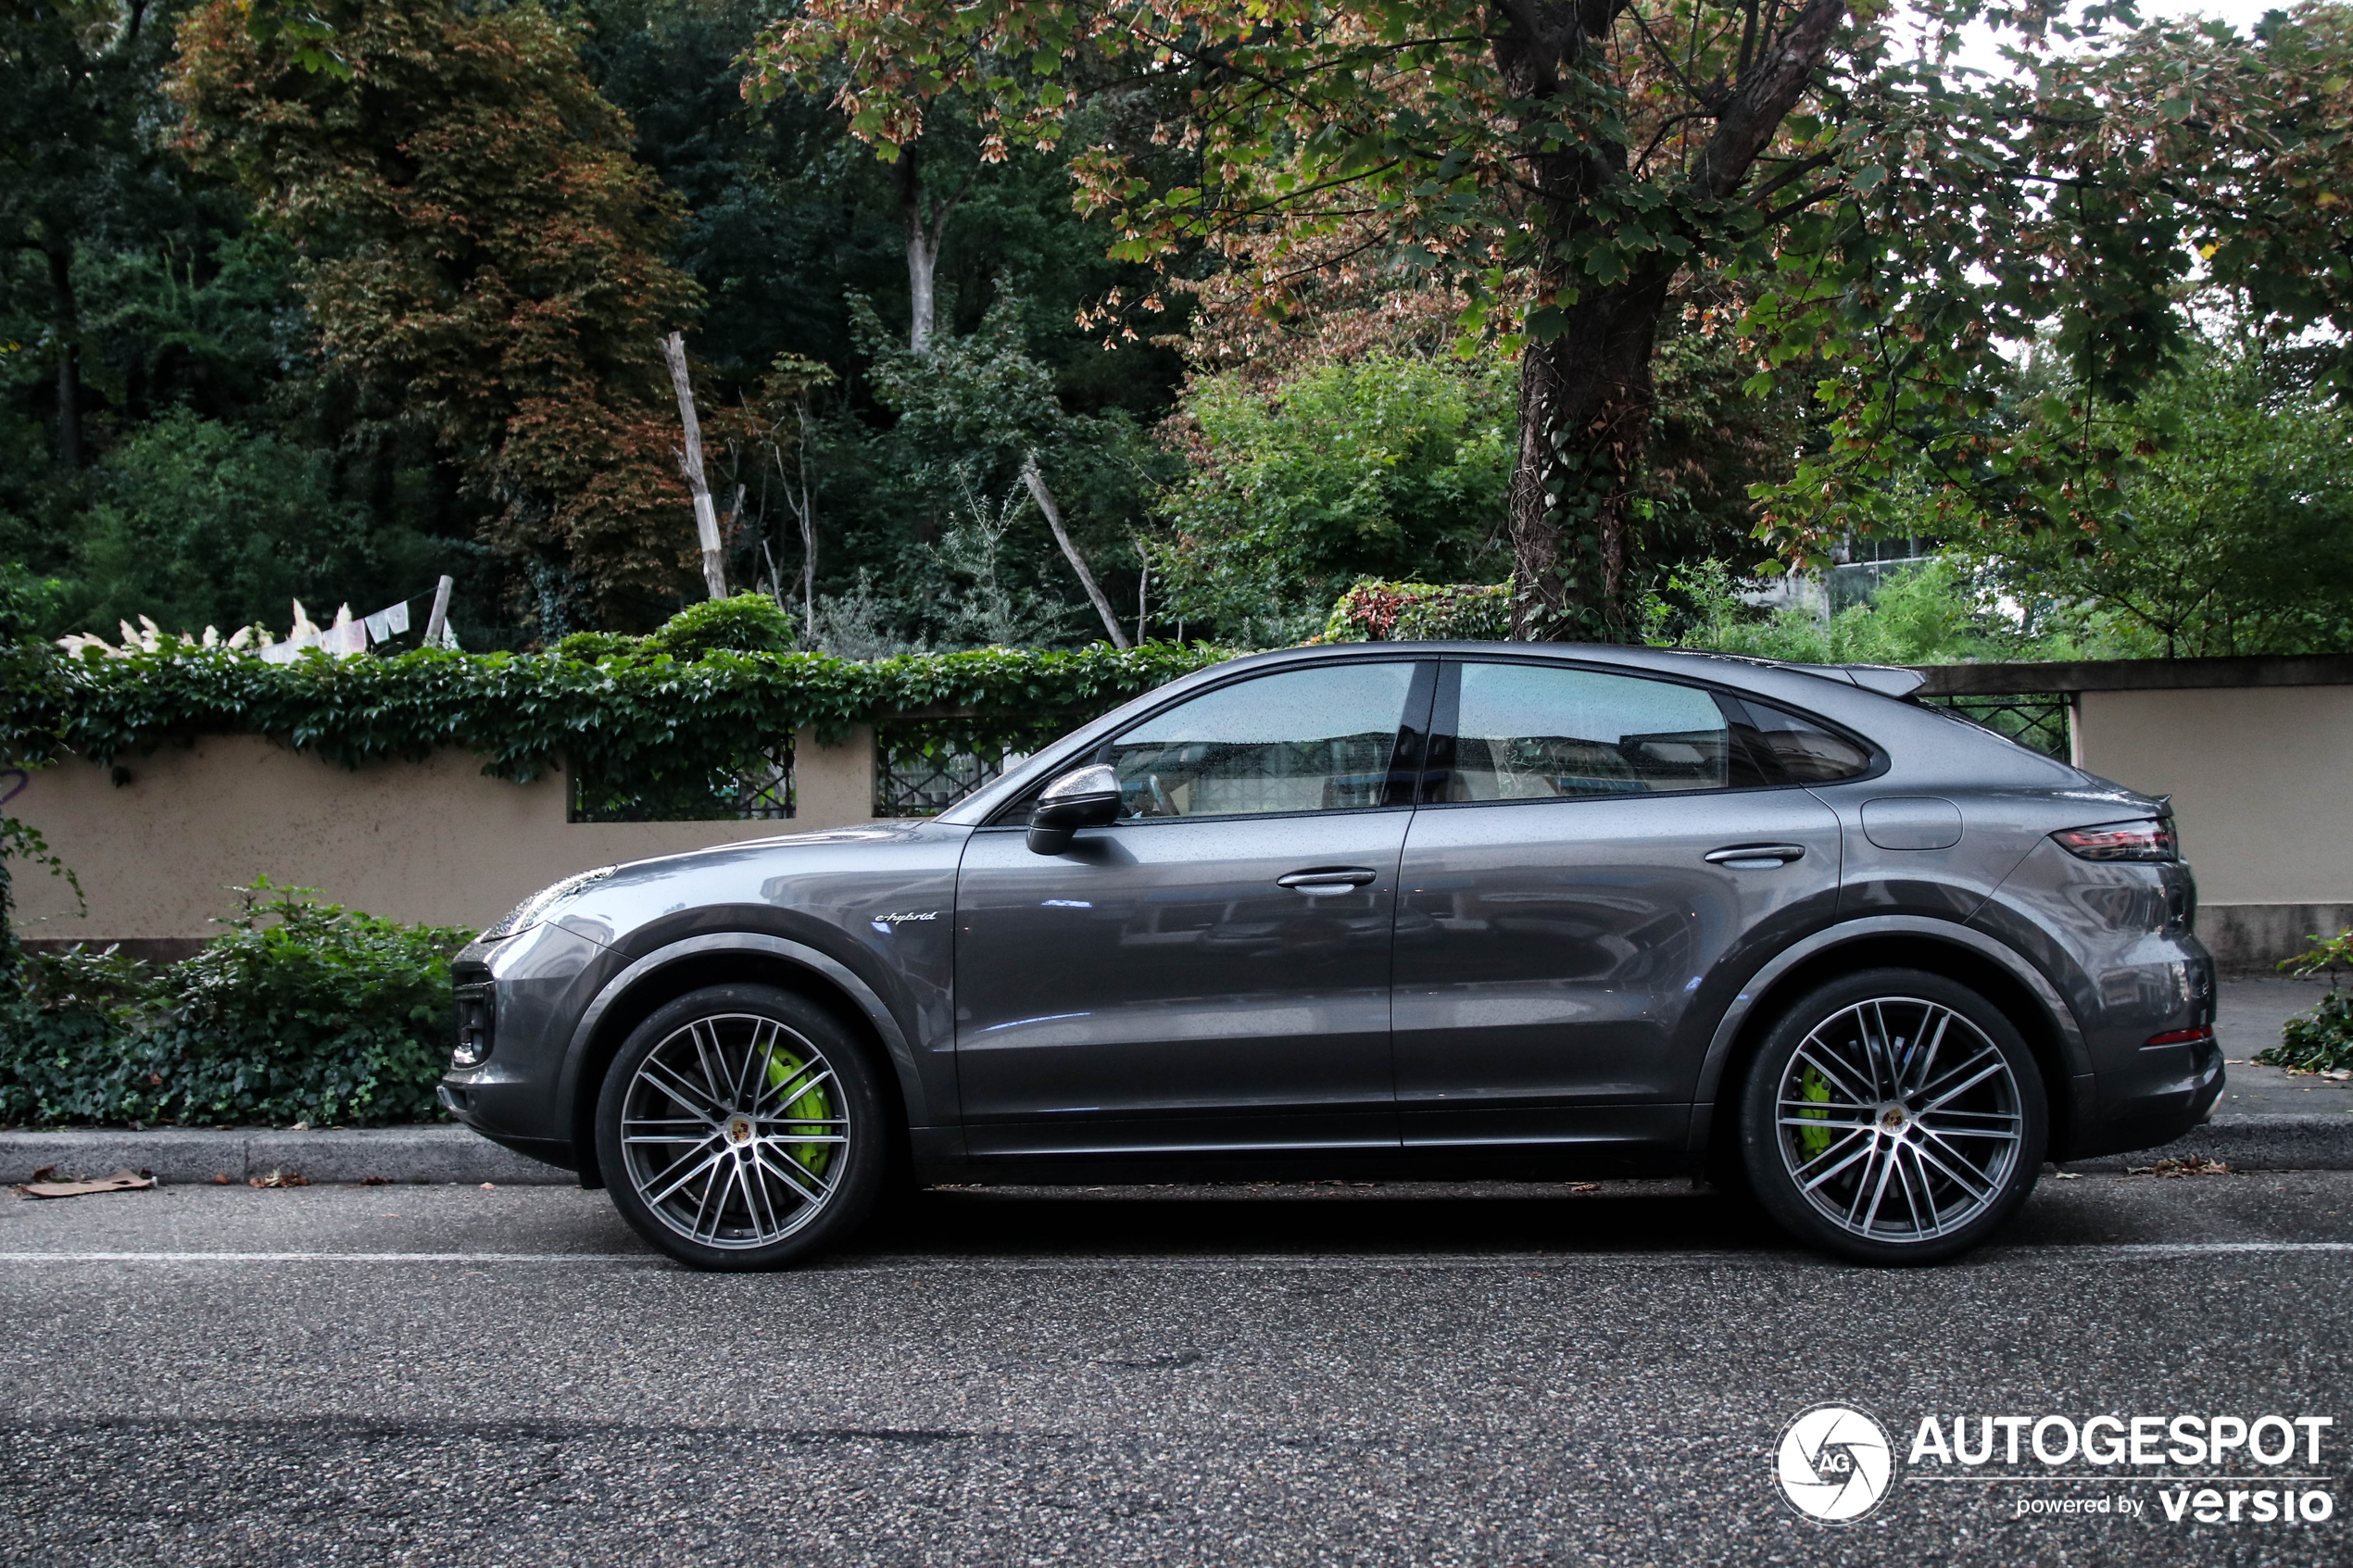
column 760, row 789
column 921, row 771
column 2037, row 721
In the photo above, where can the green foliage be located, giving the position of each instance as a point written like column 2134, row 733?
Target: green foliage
column 1927, row 614
column 741, row 624
column 745, row 623
column 301, row 1012
column 1389, row 465
column 971, row 410
column 2323, row 1042
column 2238, row 540
column 652, row 719
column 198, row 523
column 1373, row 611
column 25, row 662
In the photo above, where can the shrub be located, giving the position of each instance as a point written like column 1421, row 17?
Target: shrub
column 302, row 1012
column 1374, row 611
column 1393, row 464
column 2323, row 1042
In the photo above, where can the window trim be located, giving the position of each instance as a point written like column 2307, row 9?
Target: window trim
column 1446, row 719
column 1413, row 736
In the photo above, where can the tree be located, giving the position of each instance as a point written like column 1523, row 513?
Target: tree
column 1564, row 161
column 483, row 260
column 978, row 414
column 2238, row 540
column 77, row 166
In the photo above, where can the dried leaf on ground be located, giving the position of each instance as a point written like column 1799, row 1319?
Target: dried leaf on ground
column 279, row 1179
column 2199, row 1166
column 121, row 1181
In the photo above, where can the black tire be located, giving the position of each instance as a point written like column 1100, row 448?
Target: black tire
column 758, row 1132
column 1892, row 1116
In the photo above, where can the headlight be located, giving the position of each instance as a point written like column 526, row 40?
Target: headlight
column 533, row 909
column 475, row 1020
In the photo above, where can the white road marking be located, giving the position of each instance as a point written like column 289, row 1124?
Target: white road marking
column 1261, row 1262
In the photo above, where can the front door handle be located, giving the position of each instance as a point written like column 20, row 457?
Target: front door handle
column 1326, row 879
column 1755, row 857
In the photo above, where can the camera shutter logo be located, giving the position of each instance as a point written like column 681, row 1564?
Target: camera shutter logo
column 1834, row 1465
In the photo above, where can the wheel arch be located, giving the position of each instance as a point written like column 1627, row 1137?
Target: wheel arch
column 730, row 957
column 1990, row 966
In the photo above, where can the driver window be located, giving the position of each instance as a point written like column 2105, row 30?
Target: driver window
column 1301, row 740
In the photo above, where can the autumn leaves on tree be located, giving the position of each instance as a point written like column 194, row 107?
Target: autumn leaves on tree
column 1893, row 220
column 484, row 260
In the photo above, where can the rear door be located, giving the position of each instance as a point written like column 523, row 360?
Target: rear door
column 1599, row 860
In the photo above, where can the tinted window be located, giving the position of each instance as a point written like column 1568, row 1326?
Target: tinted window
column 1304, row 740
column 1524, row 731
column 1802, row 750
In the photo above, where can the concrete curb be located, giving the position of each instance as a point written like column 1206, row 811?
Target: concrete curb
column 2250, row 1143
column 453, row 1154
column 185, row 1155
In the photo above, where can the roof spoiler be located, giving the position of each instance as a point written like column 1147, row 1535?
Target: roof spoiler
column 1889, row 680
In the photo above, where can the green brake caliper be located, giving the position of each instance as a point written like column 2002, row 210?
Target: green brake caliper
column 1812, row 1085
column 814, row 1103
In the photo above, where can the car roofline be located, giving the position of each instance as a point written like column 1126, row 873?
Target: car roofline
column 1731, row 670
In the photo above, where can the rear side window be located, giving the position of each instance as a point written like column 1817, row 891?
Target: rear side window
column 1530, row 732
column 1800, row 750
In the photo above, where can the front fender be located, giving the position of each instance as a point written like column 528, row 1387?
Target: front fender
column 920, row 1098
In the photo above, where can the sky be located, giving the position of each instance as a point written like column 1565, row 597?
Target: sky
column 2241, row 14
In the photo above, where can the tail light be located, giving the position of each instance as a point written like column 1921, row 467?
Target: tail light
column 2150, row 839
column 2202, row 1034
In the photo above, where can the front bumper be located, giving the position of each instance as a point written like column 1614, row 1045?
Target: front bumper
column 536, row 981
column 457, row 1100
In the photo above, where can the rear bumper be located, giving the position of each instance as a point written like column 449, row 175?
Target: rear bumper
column 2176, row 1088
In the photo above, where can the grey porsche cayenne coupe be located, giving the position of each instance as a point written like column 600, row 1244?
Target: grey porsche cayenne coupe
column 1385, row 911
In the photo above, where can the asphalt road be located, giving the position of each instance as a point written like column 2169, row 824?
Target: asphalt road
column 1244, row 1375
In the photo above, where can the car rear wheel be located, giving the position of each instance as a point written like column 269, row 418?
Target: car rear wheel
column 742, row 1127
column 1893, row 1117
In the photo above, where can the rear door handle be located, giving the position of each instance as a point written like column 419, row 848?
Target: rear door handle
column 1755, row 857
column 1328, row 879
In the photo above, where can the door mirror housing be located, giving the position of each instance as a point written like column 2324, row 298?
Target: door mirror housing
column 1084, row 798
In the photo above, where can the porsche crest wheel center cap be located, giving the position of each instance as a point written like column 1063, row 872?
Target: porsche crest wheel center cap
column 739, row 1129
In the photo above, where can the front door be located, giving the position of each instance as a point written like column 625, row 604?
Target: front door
column 1576, row 906
column 1210, row 973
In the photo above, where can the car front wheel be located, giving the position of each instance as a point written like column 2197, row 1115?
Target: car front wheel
column 742, row 1127
column 1892, row 1116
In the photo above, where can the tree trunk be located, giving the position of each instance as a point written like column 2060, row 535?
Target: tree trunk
column 1045, row 499
column 69, row 361
column 714, row 558
column 924, row 233
column 1586, row 396
column 1585, row 403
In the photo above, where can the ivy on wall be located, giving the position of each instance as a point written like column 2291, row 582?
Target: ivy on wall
column 640, row 714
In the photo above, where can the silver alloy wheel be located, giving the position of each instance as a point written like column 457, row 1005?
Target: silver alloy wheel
column 733, row 1129
column 1899, row 1120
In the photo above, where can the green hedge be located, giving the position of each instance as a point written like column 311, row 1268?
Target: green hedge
column 635, row 713
column 301, row 1012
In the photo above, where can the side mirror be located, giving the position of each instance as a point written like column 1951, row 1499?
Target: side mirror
column 1084, row 798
